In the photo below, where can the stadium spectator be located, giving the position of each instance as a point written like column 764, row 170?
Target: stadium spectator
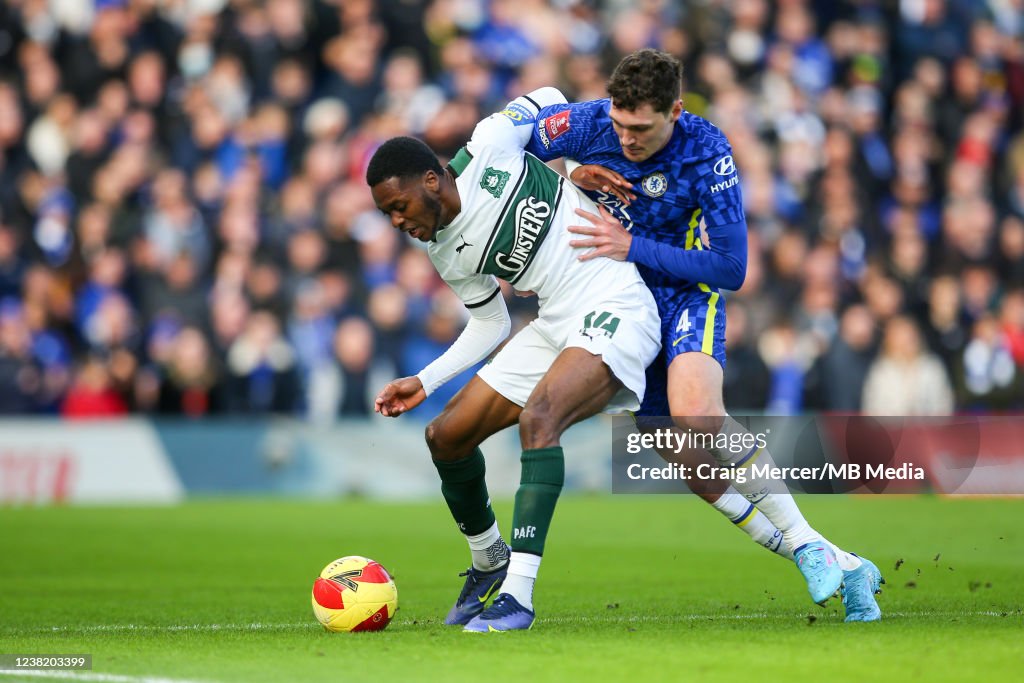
column 946, row 323
column 835, row 382
column 92, row 393
column 788, row 354
column 353, row 348
column 12, row 262
column 19, row 372
column 1011, row 318
column 988, row 379
column 905, row 379
column 191, row 385
column 745, row 385
column 262, row 376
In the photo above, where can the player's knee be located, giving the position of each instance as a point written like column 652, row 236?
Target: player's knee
column 539, row 427
column 431, row 436
column 697, row 403
column 443, row 442
column 698, row 421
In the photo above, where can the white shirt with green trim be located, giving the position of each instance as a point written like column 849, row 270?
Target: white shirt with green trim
column 512, row 226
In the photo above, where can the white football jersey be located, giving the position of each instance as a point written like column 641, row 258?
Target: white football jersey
column 512, row 225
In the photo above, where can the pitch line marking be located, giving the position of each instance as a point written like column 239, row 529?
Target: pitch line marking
column 254, row 626
column 763, row 615
column 90, row 677
column 258, row 626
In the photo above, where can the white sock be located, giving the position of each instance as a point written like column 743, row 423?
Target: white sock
column 488, row 549
column 522, row 574
column 847, row 561
column 770, row 497
column 751, row 521
column 782, row 511
column 731, row 504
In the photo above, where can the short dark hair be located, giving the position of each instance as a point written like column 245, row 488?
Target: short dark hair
column 401, row 157
column 646, row 77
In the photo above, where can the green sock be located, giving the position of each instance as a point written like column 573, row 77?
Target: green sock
column 539, row 486
column 465, row 490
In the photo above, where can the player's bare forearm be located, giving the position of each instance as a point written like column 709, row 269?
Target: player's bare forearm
column 605, row 234
column 400, row 396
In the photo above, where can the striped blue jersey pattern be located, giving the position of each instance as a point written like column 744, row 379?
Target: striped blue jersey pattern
column 692, row 179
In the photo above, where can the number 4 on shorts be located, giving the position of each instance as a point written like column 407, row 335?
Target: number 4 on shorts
column 684, row 321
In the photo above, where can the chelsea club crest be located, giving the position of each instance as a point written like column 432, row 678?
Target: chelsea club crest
column 654, row 185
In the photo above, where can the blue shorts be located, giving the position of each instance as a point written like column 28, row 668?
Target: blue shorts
column 693, row 321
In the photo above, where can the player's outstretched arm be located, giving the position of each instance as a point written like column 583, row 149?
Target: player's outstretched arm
column 723, row 265
column 597, row 178
column 489, row 324
column 400, row 396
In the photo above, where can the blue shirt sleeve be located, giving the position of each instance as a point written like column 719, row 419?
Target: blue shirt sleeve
column 724, row 265
column 562, row 130
column 715, row 182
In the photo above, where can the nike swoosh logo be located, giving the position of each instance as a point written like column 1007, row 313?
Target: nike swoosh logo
column 490, row 592
column 682, row 338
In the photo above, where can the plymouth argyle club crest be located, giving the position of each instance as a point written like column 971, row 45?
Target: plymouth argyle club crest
column 494, row 181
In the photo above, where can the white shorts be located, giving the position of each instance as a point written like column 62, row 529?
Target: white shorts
column 622, row 328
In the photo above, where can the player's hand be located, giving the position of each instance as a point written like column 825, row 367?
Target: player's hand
column 600, row 179
column 607, row 236
column 400, row 396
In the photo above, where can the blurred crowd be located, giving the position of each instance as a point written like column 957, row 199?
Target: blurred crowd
column 185, row 229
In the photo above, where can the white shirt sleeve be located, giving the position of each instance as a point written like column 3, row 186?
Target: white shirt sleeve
column 488, row 325
column 512, row 127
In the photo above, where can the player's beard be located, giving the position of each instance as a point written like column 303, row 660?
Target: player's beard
column 434, row 209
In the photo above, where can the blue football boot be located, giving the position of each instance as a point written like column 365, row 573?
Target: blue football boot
column 477, row 590
column 504, row 614
column 818, row 563
column 860, row 586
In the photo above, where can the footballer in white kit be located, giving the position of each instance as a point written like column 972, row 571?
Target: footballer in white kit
column 512, row 226
column 497, row 212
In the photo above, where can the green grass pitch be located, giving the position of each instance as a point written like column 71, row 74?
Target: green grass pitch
column 632, row 589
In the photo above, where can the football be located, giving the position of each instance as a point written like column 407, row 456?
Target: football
column 354, row 594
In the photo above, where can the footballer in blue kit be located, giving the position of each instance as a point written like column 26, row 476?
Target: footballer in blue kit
column 690, row 182
column 670, row 202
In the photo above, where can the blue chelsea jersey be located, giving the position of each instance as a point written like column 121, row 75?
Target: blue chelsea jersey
column 690, row 180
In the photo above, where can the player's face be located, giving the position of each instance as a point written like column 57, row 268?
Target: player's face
column 412, row 204
column 643, row 131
